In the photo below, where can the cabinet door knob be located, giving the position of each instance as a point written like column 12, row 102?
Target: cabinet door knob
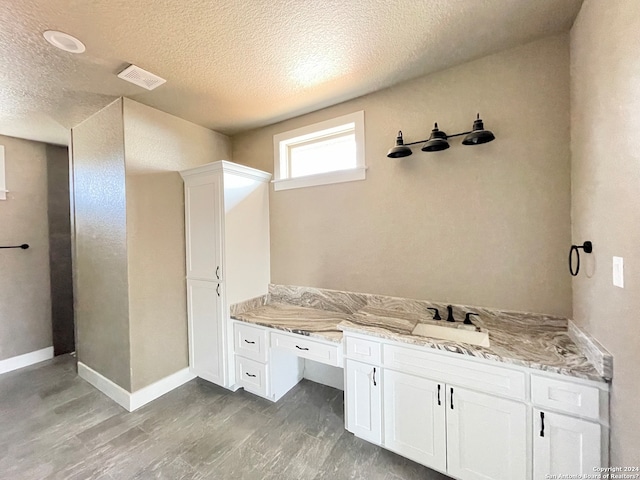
column 451, row 398
column 218, row 289
column 439, row 403
column 542, row 424
column 218, row 272
column 374, row 377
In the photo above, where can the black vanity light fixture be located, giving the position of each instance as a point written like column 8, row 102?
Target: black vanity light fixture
column 439, row 140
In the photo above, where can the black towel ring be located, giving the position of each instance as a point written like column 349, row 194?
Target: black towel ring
column 587, row 247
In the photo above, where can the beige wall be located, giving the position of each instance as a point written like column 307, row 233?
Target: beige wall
column 158, row 146
column 605, row 101
column 132, row 325
column 25, row 300
column 101, row 277
column 486, row 225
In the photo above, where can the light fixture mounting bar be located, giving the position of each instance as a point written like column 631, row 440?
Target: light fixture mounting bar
column 446, row 135
column 459, row 134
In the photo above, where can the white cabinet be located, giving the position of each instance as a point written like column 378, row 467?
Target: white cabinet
column 486, row 436
column 251, row 342
column 414, row 418
column 227, row 258
column 465, row 433
column 569, row 426
column 567, row 397
column 564, row 445
column 471, row 419
column 301, row 346
column 203, row 214
column 363, row 392
column 252, row 376
column 468, row 435
column 205, row 330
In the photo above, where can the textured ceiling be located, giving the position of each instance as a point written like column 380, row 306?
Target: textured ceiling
column 232, row 65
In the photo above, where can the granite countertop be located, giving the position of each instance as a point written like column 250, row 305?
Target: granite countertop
column 515, row 339
column 536, row 341
column 310, row 322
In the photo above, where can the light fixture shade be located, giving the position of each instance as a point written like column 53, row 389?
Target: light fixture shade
column 437, row 141
column 478, row 135
column 400, row 150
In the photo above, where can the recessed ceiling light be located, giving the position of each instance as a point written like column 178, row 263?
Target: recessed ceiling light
column 64, row 41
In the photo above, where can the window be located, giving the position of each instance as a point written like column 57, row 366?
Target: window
column 327, row 152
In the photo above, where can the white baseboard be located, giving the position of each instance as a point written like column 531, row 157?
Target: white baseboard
column 25, row 360
column 155, row 390
column 135, row 400
column 106, row 386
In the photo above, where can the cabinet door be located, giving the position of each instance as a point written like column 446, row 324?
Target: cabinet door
column 564, row 445
column 203, row 213
column 486, row 436
column 363, row 390
column 414, row 418
column 206, row 340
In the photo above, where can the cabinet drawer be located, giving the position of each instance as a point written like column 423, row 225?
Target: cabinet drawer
column 251, row 375
column 582, row 400
column 250, row 342
column 361, row 349
column 307, row 348
column 470, row 373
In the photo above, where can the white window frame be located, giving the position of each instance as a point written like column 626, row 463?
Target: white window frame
column 282, row 142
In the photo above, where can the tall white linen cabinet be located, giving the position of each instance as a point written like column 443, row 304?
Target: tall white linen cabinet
column 227, row 247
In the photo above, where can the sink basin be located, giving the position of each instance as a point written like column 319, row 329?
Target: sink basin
column 454, row 334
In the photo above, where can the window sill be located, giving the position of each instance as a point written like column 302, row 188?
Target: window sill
column 339, row 176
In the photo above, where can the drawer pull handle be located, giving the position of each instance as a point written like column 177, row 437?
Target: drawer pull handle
column 301, row 348
column 451, row 398
column 374, row 377
column 218, row 289
column 542, row 424
column 249, row 375
column 218, row 272
column 247, row 341
column 439, row 403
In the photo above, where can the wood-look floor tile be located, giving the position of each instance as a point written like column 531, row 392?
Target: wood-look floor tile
column 107, row 430
column 350, row 458
column 55, row 426
column 224, row 435
column 168, row 469
column 241, row 463
column 403, row 468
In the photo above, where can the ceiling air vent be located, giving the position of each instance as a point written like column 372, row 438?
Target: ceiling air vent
column 140, row 77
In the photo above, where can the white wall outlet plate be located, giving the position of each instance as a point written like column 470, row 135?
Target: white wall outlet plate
column 618, row 272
